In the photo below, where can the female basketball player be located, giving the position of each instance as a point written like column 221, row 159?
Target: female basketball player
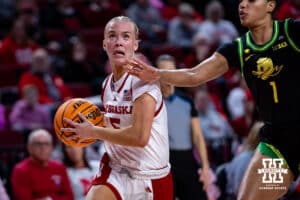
column 267, row 57
column 136, row 163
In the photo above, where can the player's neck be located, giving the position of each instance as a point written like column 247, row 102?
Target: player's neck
column 117, row 73
column 262, row 33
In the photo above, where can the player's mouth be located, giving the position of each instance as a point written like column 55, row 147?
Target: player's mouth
column 119, row 53
column 242, row 14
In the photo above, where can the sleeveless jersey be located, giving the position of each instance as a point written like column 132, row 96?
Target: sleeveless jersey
column 118, row 98
column 271, row 72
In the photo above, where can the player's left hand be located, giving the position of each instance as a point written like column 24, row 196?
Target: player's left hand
column 81, row 130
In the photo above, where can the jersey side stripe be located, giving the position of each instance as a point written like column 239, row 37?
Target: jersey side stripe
column 159, row 109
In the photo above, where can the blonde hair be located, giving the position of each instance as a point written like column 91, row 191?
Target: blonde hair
column 124, row 19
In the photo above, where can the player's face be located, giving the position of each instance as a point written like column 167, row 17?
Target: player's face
column 120, row 42
column 166, row 89
column 254, row 12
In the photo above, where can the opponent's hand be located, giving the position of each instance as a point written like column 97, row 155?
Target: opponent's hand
column 142, row 70
column 81, row 130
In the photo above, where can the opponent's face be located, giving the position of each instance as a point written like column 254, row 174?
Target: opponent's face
column 166, row 89
column 254, row 12
column 120, row 42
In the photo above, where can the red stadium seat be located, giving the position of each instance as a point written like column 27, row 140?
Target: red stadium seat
column 92, row 36
column 99, row 18
column 55, row 34
column 80, row 90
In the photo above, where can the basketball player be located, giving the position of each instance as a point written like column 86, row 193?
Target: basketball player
column 267, row 57
column 136, row 163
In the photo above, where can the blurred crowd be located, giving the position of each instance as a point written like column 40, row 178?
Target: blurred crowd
column 51, row 50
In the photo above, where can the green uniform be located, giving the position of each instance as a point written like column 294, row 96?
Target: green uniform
column 272, row 73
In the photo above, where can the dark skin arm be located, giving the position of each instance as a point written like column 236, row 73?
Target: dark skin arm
column 209, row 69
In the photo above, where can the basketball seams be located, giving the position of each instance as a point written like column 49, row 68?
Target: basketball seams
column 65, row 111
column 91, row 105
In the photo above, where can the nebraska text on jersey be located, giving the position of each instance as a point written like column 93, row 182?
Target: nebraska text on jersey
column 118, row 109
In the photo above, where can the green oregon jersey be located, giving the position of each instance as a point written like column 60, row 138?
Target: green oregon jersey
column 271, row 71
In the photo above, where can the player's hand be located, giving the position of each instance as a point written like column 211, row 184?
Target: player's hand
column 81, row 130
column 142, row 70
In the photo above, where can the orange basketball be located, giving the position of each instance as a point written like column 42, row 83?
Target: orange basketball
column 70, row 109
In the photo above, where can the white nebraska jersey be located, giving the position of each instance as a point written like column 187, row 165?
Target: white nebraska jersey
column 118, row 98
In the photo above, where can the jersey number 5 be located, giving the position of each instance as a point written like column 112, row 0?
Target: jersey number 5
column 274, row 88
column 115, row 122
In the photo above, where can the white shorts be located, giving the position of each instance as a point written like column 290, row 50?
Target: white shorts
column 127, row 188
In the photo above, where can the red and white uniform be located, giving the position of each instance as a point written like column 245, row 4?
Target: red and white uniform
column 138, row 167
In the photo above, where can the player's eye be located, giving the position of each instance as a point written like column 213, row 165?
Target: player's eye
column 126, row 36
column 111, row 36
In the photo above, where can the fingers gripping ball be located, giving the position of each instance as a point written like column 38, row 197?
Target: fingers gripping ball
column 70, row 109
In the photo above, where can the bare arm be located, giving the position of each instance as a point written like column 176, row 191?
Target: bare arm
column 136, row 134
column 200, row 144
column 207, row 70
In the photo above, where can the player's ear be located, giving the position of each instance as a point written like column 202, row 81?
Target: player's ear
column 271, row 6
column 103, row 45
column 136, row 45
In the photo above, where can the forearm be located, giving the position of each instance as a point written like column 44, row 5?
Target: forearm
column 125, row 136
column 207, row 70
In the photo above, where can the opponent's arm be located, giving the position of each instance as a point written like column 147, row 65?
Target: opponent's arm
column 209, row 69
column 135, row 135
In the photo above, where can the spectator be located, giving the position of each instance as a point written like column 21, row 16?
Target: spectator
column 28, row 11
column 240, row 106
column 38, row 177
column 2, row 117
column 184, row 135
column 70, row 18
column 288, row 9
column 170, row 9
column 202, row 45
column 17, row 47
column 147, row 18
column 62, row 15
column 3, row 194
column 28, row 114
column 216, row 129
column 219, row 29
column 7, row 11
column 79, row 68
column 80, row 170
column 183, row 28
column 50, row 86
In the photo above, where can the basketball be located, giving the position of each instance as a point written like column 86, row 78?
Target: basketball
column 70, row 109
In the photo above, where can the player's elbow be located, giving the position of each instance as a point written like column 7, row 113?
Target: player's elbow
column 142, row 140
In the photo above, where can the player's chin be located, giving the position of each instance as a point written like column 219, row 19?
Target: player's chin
column 246, row 23
column 120, row 61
